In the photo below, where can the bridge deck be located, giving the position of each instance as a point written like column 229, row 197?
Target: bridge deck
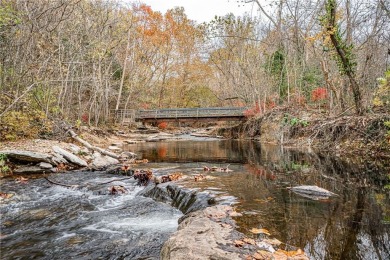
column 182, row 114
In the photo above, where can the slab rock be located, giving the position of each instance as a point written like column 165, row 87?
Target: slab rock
column 99, row 161
column 26, row 156
column 30, row 170
column 70, row 156
column 199, row 236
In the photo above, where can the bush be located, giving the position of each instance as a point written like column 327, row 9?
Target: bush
column 162, row 125
column 17, row 124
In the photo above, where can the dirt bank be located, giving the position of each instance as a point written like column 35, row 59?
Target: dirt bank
column 367, row 136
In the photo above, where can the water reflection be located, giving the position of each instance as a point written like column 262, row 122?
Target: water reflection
column 354, row 225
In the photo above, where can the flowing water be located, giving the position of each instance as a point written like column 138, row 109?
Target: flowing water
column 46, row 221
column 353, row 225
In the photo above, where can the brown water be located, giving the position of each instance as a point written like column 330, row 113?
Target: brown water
column 353, row 225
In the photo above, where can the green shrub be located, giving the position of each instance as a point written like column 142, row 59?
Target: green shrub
column 17, row 124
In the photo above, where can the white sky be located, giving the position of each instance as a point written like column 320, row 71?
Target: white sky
column 202, row 10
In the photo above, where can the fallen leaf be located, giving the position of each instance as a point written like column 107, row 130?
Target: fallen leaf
column 21, row 179
column 260, row 231
column 273, row 241
column 279, row 256
column 235, row 214
column 249, row 241
column 264, row 254
column 6, row 195
column 239, row 243
column 298, row 252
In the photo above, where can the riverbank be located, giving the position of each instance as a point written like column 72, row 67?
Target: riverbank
column 366, row 136
column 201, row 225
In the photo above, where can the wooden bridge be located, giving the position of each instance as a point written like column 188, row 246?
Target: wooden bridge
column 181, row 114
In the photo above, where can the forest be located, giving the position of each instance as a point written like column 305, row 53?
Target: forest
column 80, row 60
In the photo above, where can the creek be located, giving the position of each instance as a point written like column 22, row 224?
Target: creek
column 353, row 225
column 46, row 221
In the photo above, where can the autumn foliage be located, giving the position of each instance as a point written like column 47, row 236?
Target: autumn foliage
column 162, row 125
column 319, row 94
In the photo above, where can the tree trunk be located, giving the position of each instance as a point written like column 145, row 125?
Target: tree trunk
column 345, row 60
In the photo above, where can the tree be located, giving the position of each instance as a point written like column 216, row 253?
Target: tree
column 345, row 57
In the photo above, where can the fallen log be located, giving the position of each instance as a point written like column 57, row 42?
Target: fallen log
column 70, row 156
column 89, row 146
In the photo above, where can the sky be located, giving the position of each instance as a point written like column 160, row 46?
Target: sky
column 202, row 10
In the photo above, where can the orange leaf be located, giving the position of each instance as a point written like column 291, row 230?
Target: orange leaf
column 249, row 241
column 238, row 243
column 260, row 231
column 262, row 255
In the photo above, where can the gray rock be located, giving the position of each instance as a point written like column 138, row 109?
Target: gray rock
column 114, row 148
column 70, row 157
column 199, row 237
column 312, row 192
column 74, row 148
column 57, row 159
column 45, row 165
column 99, row 161
column 30, row 169
column 26, row 156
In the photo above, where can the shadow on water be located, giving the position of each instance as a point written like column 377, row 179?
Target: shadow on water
column 353, row 225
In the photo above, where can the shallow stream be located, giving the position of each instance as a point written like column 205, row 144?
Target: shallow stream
column 48, row 221
column 353, row 225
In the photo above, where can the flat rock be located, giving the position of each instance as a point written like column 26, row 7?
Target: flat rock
column 30, row 169
column 26, row 156
column 199, row 237
column 312, row 192
column 99, row 161
column 114, row 148
column 69, row 156
column 56, row 159
column 45, row 165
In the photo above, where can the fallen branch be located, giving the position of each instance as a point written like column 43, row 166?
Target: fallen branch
column 128, row 178
column 60, row 184
column 94, row 148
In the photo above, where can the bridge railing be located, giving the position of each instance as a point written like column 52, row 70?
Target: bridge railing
column 189, row 112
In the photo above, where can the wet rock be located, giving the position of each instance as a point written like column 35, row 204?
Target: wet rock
column 185, row 200
column 69, row 156
column 26, row 156
column 312, row 192
column 200, row 237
